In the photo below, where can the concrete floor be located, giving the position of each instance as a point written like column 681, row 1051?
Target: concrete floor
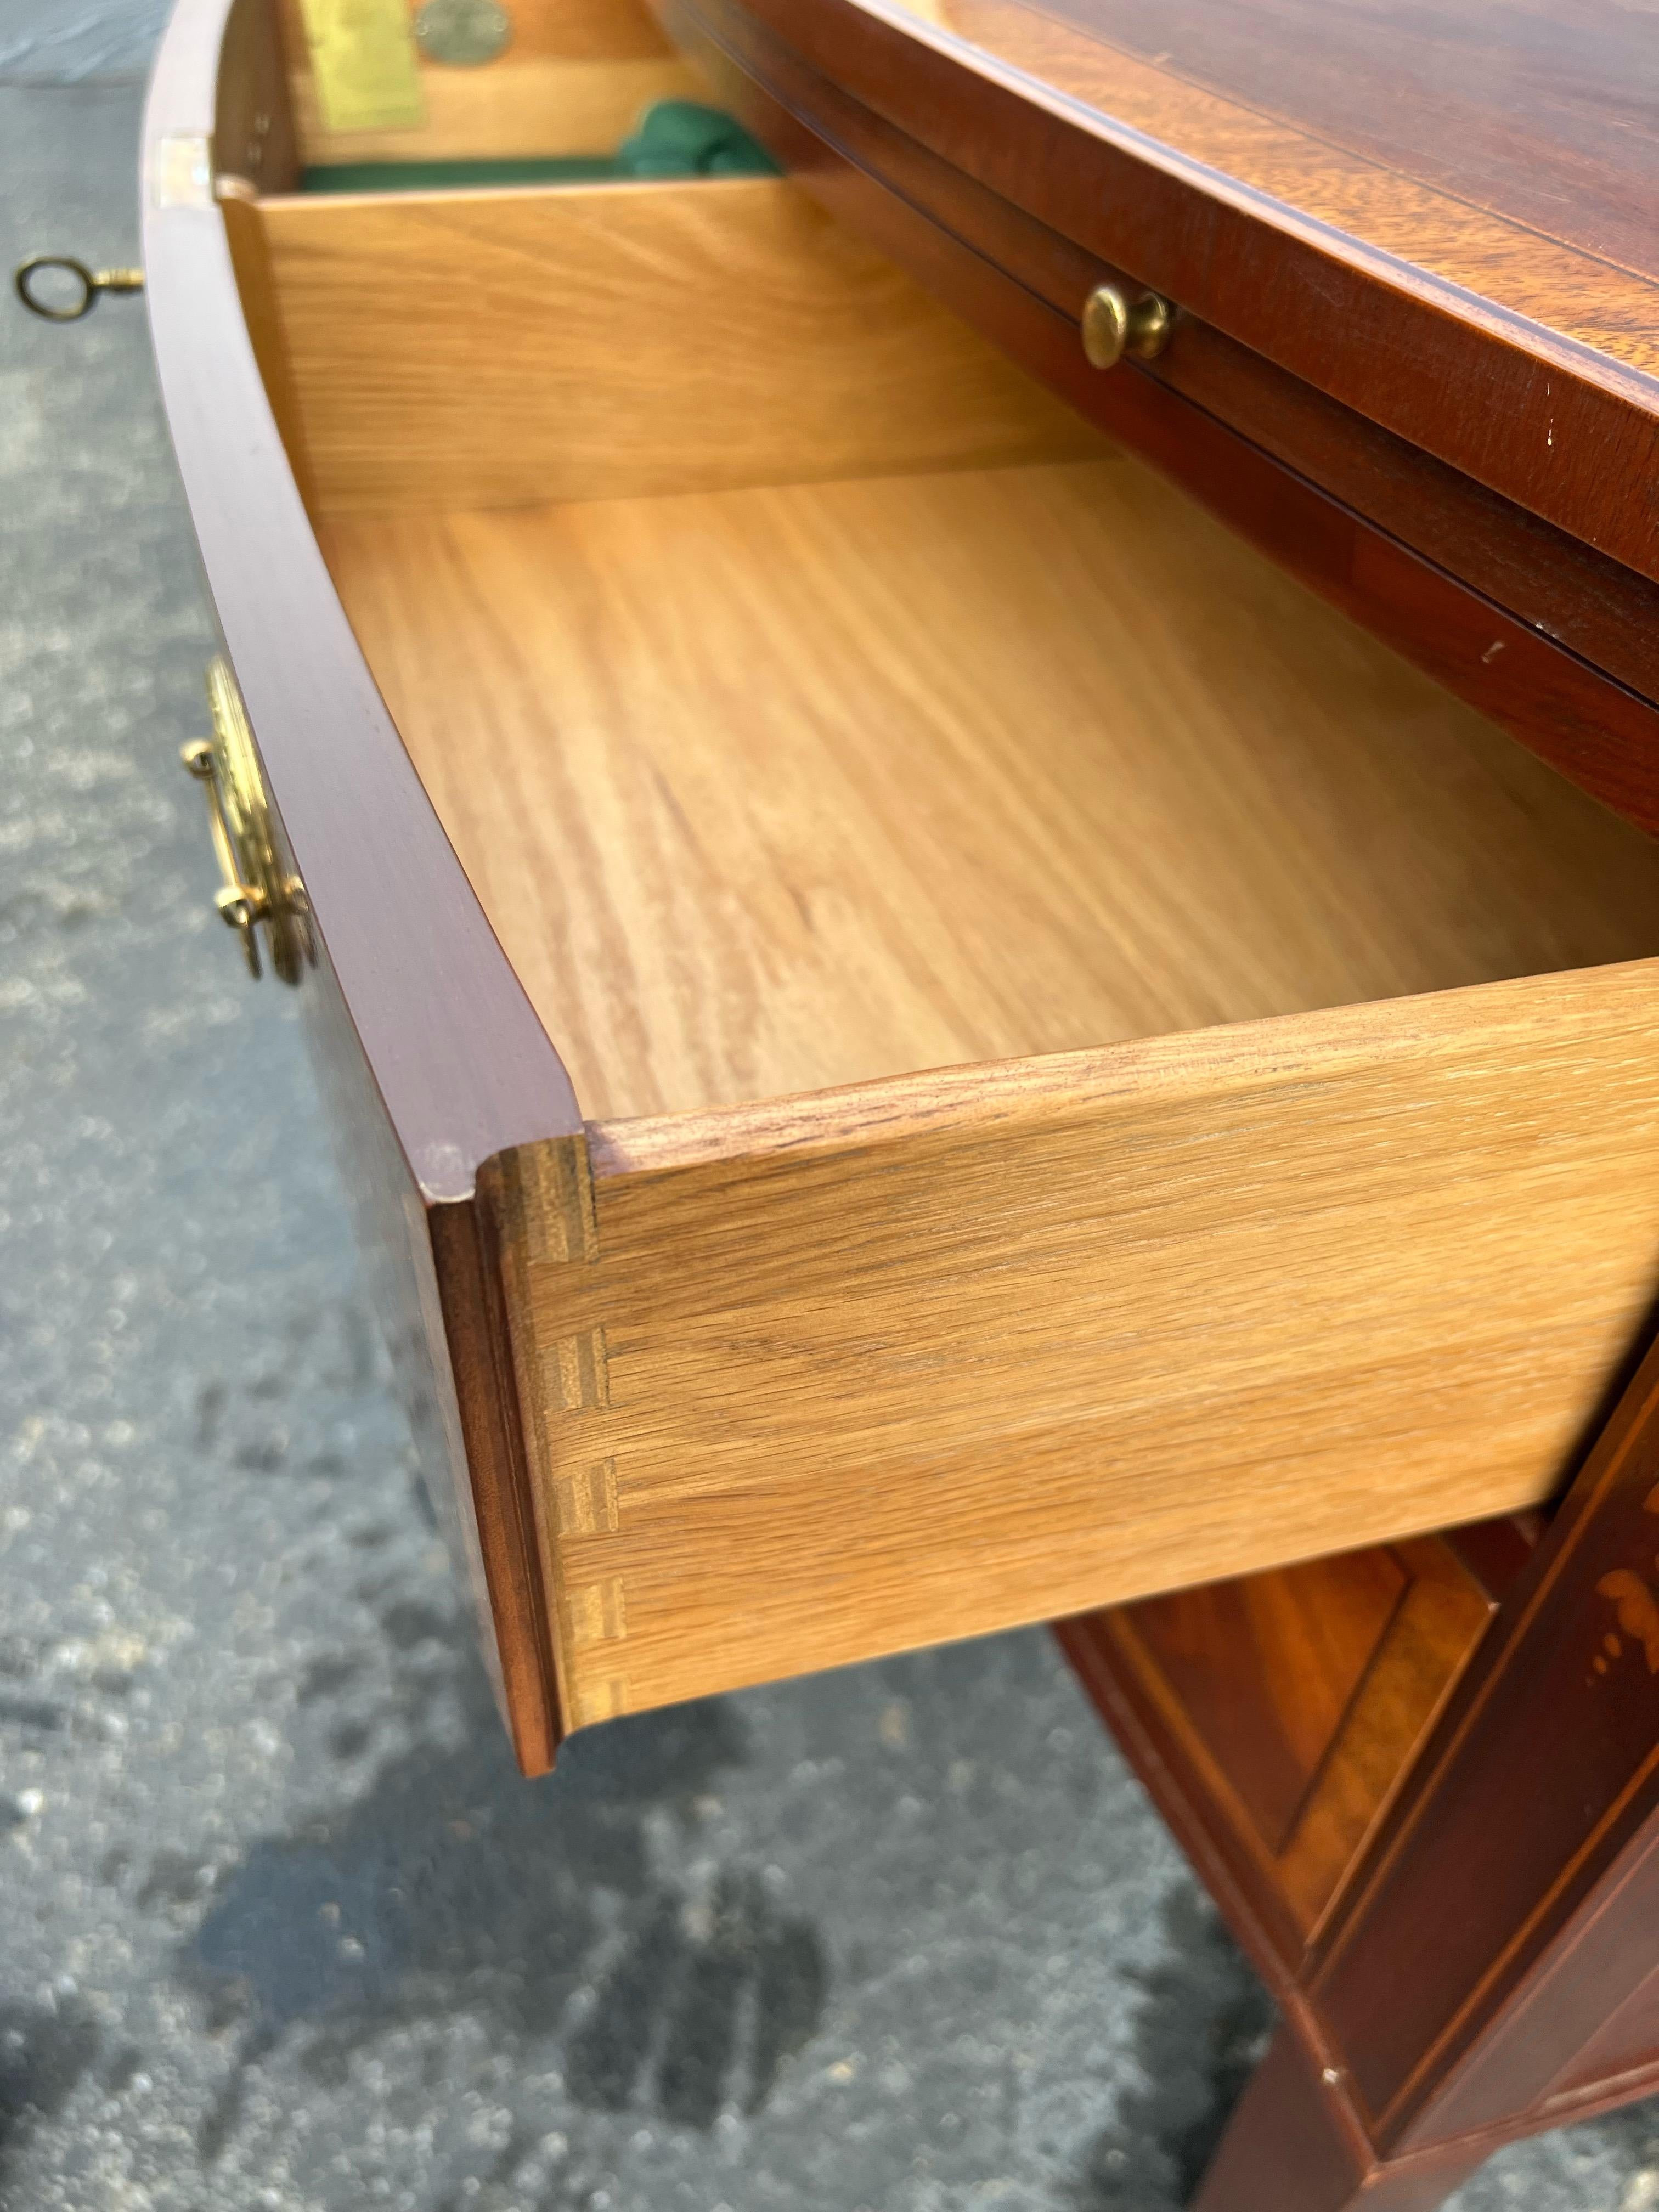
column 279, row 1925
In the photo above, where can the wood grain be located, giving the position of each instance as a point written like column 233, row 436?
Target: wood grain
column 574, row 79
column 1263, row 1670
column 1536, row 114
column 603, row 341
column 1490, row 1970
column 253, row 129
column 939, row 1355
column 1526, row 625
column 431, row 1056
column 1397, row 296
column 773, row 790
column 1530, row 1948
column 250, row 255
column 461, row 1064
column 874, row 177
column 1442, row 1617
column 1274, row 1719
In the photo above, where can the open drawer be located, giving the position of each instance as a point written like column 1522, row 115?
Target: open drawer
column 1092, row 1074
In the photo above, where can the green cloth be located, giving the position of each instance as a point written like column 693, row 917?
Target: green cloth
column 677, row 138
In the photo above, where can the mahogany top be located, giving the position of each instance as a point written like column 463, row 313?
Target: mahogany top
column 1445, row 214
column 1540, row 114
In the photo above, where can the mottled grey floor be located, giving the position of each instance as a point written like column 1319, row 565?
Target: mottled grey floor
column 279, row 1926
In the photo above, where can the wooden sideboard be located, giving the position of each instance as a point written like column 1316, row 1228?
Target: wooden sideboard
column 965, row 829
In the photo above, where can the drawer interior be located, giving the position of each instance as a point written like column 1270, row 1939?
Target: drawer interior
column 570, row 83
column 811, row 699
column 768, row 791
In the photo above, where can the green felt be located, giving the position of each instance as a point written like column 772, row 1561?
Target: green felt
column 455, row 176
column 677, row 138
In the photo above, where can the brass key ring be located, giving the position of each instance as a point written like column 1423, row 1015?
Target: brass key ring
column 91, row 280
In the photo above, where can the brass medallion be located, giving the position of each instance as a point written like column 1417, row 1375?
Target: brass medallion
column 462, row 34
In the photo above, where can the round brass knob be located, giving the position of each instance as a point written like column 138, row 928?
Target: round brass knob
column 1113, row 326
column 88, row 283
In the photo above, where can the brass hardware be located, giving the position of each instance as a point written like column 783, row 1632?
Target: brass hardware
column 1112, row 327
column 258, row 890
column 364, row 67
column 92, row 281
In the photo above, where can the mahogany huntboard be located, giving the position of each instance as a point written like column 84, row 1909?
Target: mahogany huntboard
column 948, row 714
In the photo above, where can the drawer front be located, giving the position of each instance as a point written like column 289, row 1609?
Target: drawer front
column 1557, row 642
column 1521, row 360
column 429, row 1055
column 805, row 1383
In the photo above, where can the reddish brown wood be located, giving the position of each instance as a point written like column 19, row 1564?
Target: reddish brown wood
column 1521, row 1951
column 1266, row 1667
column 436, row 1298
column 1626, row 2042
column 1500, row 653
column 1491, row 1965
column 1488, row 1965
column 1496, row 1553
column 1579, row 2023
column 1542, row 111
column 1523, row 360
column 1292, row 2145
column 253, row 129
column 467, row 1277
column 1271, row 1717
column 1253, row 1907
column 434, row 1055
column 464, row 1067
column 1602, row 612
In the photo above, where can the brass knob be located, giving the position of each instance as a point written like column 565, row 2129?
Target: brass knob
column 91, row 282
column 1112, row 327
column 255, row 892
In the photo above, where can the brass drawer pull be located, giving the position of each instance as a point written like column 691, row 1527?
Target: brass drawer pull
column 92, row 281
column 1112, row 327
column 256, row 889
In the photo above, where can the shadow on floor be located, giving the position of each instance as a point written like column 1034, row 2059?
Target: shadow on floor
column 1203, row 2022
column 452, row 1885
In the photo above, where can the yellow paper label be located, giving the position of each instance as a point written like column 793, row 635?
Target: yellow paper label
column 363, row 63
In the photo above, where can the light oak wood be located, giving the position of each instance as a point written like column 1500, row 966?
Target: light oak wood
column 597, row 341
column 250, row 255
column 773, row 790
column 575, row 79
column 808, row 1381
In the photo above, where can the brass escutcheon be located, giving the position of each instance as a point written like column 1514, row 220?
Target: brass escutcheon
column 92, row 283
column 1112, row 327
column 257, row 891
